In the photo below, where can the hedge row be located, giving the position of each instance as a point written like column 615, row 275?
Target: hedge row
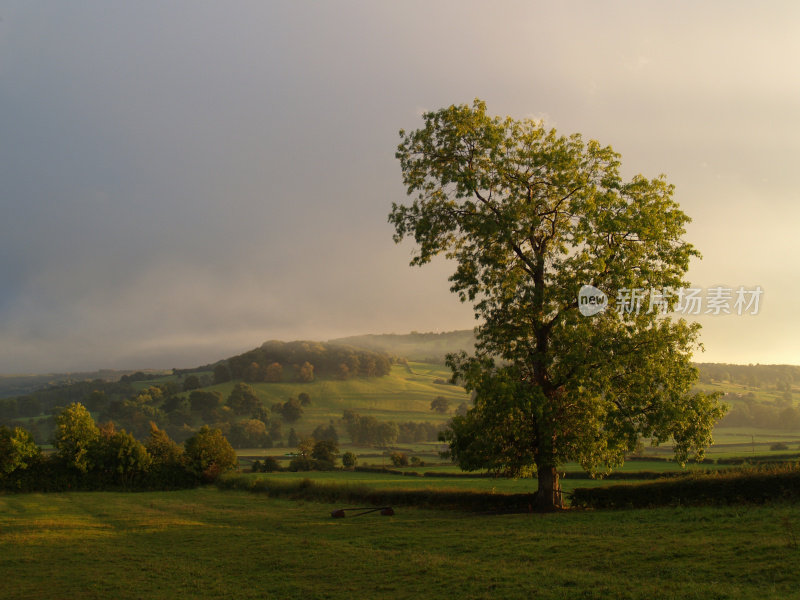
column 750, row 485
column 51, row 475
column 305, row 489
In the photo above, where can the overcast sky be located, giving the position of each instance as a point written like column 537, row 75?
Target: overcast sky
column 180, row 181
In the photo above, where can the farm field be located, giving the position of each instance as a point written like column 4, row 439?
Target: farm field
column 394, row 481
column 207, row 543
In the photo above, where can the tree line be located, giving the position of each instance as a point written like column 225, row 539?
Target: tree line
column 89, row 456
column 302, row 361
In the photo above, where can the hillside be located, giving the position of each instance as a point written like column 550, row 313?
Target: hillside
column 424, row 347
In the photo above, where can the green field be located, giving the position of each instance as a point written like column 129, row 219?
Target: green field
column 206, row 543
column 403, row 395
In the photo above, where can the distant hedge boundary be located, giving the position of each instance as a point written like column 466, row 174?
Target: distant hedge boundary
column 305, row 489
column 754, row 485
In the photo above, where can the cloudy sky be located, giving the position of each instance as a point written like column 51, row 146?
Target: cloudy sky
column 181, row 181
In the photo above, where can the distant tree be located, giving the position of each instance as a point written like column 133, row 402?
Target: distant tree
column 306, row 373
column 222, row 374
column 274, row 373
column 205, row 402
column 305, row 399
column 250, row 433
column 301, row 463
column 270, row 465
column 29, row 406
column 293, row 440
column 349, row 460
column 291, row 411
column 343, row 371
column 243, row 400
column 275, row 431
column 440, row 404
column 325, row 453
column 306, row 446
column 208, row 454
column 399, row 459
column 192, row 382
column 17, row 449
column 327, row 433
column 8, row 408
column 254, row 373
column 386, row 435
column 74, row 435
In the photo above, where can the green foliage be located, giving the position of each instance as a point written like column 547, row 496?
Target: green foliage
column 273, row 373
column 208, row 454
column 222, row 374
column 399, row 459
column 162, row 449
column 325, row 450
column 117, row 457
column 250, row 433
column 290, row 411
column 17, row 450
column 191, row 382
column 326, row 433
column 306, row 372
column 349, row 460
column 243, row 400
column 749, row 485
column 75, row 434
column 440, row 404
column 307, row 360
column 528, row 217
column 205, row 402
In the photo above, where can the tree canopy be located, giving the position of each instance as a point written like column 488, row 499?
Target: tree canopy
column 529, row 216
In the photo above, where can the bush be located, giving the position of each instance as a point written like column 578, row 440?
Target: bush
column 349, row 460
column 301, row 463
column 270, row 464
column 399, row 459
column 779, row 446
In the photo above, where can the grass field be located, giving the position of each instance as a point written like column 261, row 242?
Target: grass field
column 206, row 543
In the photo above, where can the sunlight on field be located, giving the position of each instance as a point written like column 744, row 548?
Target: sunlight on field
column 210, row 544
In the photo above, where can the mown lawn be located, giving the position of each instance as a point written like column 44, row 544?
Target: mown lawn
column 208, row 543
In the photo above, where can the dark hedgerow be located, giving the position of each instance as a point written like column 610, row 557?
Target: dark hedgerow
column 749, row 485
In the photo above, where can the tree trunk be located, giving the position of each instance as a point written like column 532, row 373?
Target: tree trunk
column 548, row 495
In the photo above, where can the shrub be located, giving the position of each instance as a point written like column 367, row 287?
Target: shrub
column 301, row 463
column 399, row 459
column 349, row 460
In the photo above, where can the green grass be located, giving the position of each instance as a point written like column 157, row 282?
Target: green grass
column 403, row 395
column 392, row 481
column 210, row 544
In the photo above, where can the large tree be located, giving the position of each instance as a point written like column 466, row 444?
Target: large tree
column 529, row 217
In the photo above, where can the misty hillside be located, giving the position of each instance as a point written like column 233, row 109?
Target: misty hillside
column 426, row 347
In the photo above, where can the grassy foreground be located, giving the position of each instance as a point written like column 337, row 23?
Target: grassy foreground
column 207, row 543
